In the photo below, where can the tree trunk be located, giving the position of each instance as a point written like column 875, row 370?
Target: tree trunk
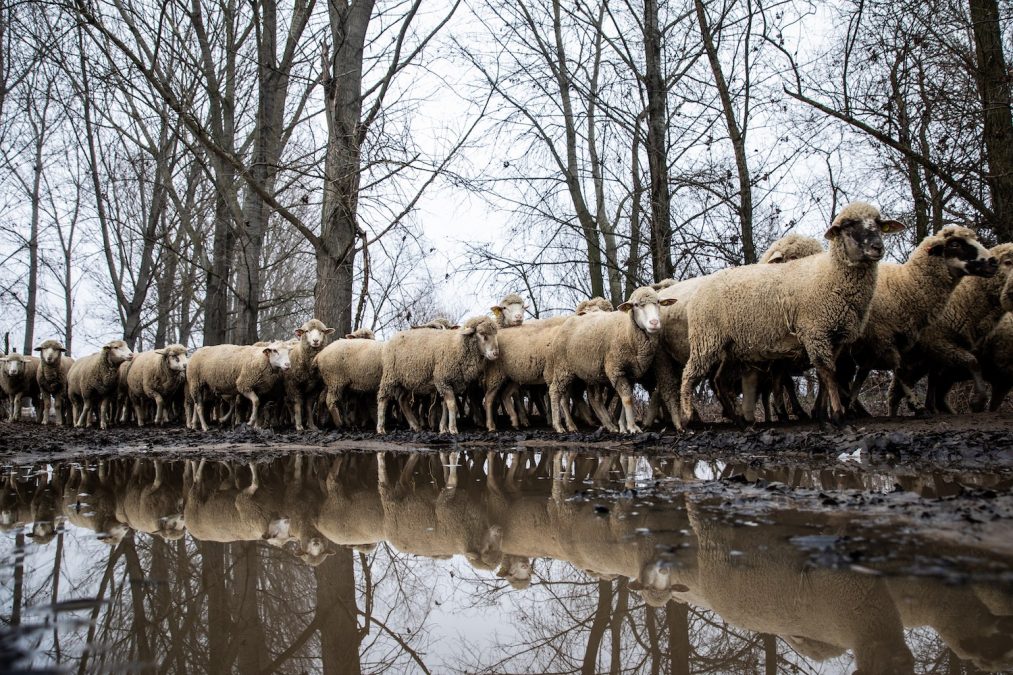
column 657, row 147
column 588, row 225
column 33, row 238
column 911, row 167
column 677, row 618
column 598, row 627
column 633, row 259
column 994, row 89
column 342, row 77
column 339, row 628
column 736, row 135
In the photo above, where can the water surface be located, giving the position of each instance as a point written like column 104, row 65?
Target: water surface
column 532, row 561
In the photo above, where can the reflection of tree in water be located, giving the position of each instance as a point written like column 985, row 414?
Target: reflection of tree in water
column 182, row 605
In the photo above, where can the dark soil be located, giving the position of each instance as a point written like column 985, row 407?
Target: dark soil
column 969, row 442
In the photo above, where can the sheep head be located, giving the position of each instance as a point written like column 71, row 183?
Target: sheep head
column 596, row 304
column 510, row 310
column 313, row 333
column 483, row 330
column 174, row 357
column 644, row 308
column 50, row 352
column 361, row 334
column 277, row 354
column 117, row 351
column 963, row 253
column 859, row 228
column 791, row 247
column 14, row 364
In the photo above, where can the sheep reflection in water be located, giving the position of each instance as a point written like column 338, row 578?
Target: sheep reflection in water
column 520, row 520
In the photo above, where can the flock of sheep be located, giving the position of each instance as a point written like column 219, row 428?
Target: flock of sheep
column 747, row 330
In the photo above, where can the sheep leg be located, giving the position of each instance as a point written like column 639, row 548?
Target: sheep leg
column 595, row 396
column 45, row 409
column 489, row 403
column 625, row 391
column 788, row 386
column 701, row 358
column 198, row 406
column 255, row 403
column 556, row 404
column 103, row 412
column 750, row 382
column 58, row 406
column 828, row 378
column 517, row 395
column 450, row 412
column 856, row 388
column 334, row 396
column 311, row 421
column 161, row 413
column 85, row 420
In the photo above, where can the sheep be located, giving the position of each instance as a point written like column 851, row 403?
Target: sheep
column 790, row 247
column 948, row 342
column 606, row 348
column 509, row 311
column 231, row 371
column 54, row 365
column 812, row 306
column 909, row 296
column 302, row 381
column 96, row 377
column 826, row 612
column 997, row 360
column 219, row 510
column 424, row 361
column 19, row 378
column 152, row 502
column 156, row 375
column 89, row 501
column 354, row 364
column 439, row 323
column 597, row 304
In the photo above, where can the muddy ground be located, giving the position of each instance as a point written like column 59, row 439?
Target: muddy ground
column 958, row 442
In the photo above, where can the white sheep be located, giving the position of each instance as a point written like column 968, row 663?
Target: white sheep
column 95, row 378
column 302, row 381
column 435, row 361
column 157, row 375
column 354, row 364
column 509, row 311
column 230, row 371
column 601, row 348
column 812, row 306
column 18, row 378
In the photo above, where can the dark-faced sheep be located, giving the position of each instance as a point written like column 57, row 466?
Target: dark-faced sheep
column 810, row 307
column 54, row 366
column 19, row 379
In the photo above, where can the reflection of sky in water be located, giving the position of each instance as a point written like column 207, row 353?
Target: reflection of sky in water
column 742, row 574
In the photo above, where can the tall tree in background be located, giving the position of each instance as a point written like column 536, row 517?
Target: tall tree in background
column 994, row 84
column 657, row 145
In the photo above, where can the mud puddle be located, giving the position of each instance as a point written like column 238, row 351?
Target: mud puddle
column 542, row 559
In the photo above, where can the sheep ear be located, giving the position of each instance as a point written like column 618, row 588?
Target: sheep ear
column 938, row 249
column 299, row 332
column 470, row 330
column 38, row 349
column 497, row 310
column 667, row 302
column 455, row 327
column 582, row 312
column 833, row 232
column 890, row 226
column 106, row 348
column 625, row 307
column 349, row 336
column 328, row 331
column 160, row 352
column 268, row 350
column 776, row 256
column 635, row 585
